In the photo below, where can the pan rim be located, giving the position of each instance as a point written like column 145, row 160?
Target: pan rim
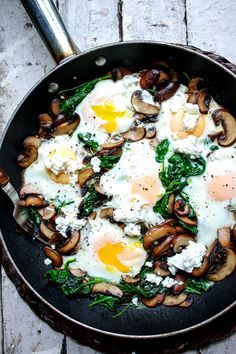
column 48, row 304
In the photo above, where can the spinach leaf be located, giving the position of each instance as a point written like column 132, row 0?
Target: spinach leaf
column 214, row 147
column 33, row 217
column 198, row 286
column 88, row 141
column 142, row 289
column 90, row 202
column 108, row 161
column 110, row 302
column 162, row 150
column 69, row 105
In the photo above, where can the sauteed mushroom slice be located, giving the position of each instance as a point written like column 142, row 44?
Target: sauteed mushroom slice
column 28, row 156
column 167, row 92
column 187, row 303
column 193, row 97
column 129, row 280
column 179, row 288
column 163, row 246
column 180, row 242
column 153, row 301
column 54, row 256
column 55, row 106
column 226, row 268
column 195, row 84
column 149, row 78
column 203, row 100
column 161, row 268
column 223, row 235
column 48, row 212
column 119, row 72
column 114, row 143
column 143, row 107
column 47, row 233
column 198, row 272
column 70, row 243
column 229, row 125
column 157, row 232
column 150, row 133
column 32, row 141
column 32, row 200
column 174, row 300
column 85, row 175
column 4, row 178
column 163, row 80
column 45, row 120
column 67, row 127
column 77, row 272
column 106, row 288
column 106, row 213
column 135, row 134
column 181, row 208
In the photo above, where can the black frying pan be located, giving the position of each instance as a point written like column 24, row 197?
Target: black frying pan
column 26, row 254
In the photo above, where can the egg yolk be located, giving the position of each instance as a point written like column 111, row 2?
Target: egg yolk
column 63, row 152
column 147, row 187
column 108, row 254
column 222, row 187
column 107, row 112
column 176, row 125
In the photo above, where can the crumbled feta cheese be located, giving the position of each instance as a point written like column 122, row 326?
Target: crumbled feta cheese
column 149, row 264
column 96, row 163
column 169, row 282
column 58, row 162
column 69, row 219
column 73, row 178
column 190, row 258
column 132, row 229
column 188, row 145
column 191, row 108
column 47, row 261
column 153, row 278
column 135, row 301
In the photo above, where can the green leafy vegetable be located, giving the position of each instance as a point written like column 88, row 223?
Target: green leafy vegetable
column 69, row 105
column 59, row 205
column 108, row 161
column 214, row 147
column 162, row 150
column 198, row 286
column 33, row 217
column 88, row 141
column 90, row 202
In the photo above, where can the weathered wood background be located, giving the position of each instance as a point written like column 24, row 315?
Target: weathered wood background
column 208, row 24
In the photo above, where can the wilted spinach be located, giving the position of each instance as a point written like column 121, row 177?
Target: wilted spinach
column 33, row 217
column 88, row 141
column 90, row 202
column 198, row 286
column 161, row 150
column 108, row 161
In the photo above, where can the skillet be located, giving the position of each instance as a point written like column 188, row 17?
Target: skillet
column 26, row 253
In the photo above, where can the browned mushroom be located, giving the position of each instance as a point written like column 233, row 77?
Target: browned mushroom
column 54, row 256
column 163, row 80
column 67, row 127
column 160, row 268
column 178, row 288
column 28, row 156
column 181, row 208
column 149, row 78
column 226, row 268
column 32, row 200
column 113, row 143
column 70, row 243
column 55, row 106
column 215, row 135
column 153, row 301
column 61, row 119
column 195, row 84
column 47, row 213
column 163, row 246
column 84, row 175
column 135, row 134
column 45, row 120
column 170, row 204
column 143, row 107
column 167, row 92
column 33, row 141
column 77, row 272
column 93, row 215
column 203, row 101
column 120, row 72
column 229, row 125
column 98, row 188
column 174, row 300
column 106, row 288
column 4, row 178
column 106, row 213
column 192, row 98
column 180, row 230
column 157, row 232
column 180, row 242
column 129, row 280
column 28, row 189
column 198, row 272
column 47, row 233
column 150, row 133
column 187, row 303
column 223, row 235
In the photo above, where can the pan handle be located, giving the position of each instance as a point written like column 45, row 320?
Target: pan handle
column 51, row 28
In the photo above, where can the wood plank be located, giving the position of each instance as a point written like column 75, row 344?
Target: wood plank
column 212, row 26
column 155, row 20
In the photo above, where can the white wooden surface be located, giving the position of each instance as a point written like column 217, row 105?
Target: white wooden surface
column 209, row 24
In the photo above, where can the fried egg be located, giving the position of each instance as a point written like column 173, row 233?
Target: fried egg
column 106, row 252
column 211, row 193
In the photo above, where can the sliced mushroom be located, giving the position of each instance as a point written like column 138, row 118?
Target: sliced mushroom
column 70, row 243
column 163, row 80
column 203, row 101
column 195, row 84
column 163, row 246
column 45, row 120
column 85, row 175
column 106, row 288
column 229, row 125
column 33, row 200
column 28, row 156
column 181, row 208
column 120, row 72
column 97, row 188
column 153, row 301
column 33, row 141
column 67, row 127
column 178, row 288
column 174, row 300
column 180, row 230
column 193, row 97
column 47, row 233
column 4, row 178
column 55, row 106
column 223, row 235
column 170, row 204
column 61, row 119
column 167, row 92
column 28, row 189
column 114, row 143
column 47, row 213
column 187, row 303
column 215, row 135
column 77, row 272
column 227, row 267
column 198, row 272
column 157, row 232
column 55, row 257
column 93, row 215
column 149, row 78
column 106, row 213
column 129, row 280
column 180, row 242
column 151, row 133
column 161, row 268
column 143, row 107
column 135, row 134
